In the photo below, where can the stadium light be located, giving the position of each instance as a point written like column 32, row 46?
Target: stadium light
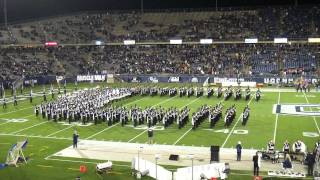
column 175, row 41
column 206, row 41
column 129, row 42
column 314, row 40
column 139, row 151
column 157, row 157
column 280, row 40
column 251, row 41
column 98, row 43
column 191, row 156
column 51, row 43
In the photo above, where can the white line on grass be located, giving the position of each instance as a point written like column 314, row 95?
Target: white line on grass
column 15, row 111
column 60, row 130
column 137, row 135
column 234, row 126
column 114, row 124
column 41, row 137
column 276, row 123
column 102, row 131
column 30, row 127
column 190, row 128
column 11, row 121
column 138, row 100
column 76, row 161
column 152, row 106
column 5, row 123
column 182, row 136
column 314, row 118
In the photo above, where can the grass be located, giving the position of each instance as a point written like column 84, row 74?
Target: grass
column 261, row 127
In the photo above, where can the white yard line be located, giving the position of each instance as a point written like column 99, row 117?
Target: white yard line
column 5, row 123
column 182, row 136
column 114, row 124
column 314, row 118
column 138, row 135
column 276, row 123
column 190, row 128
column 102, row 131
column 60, row 130
column 30, row 127
column 152, row 106
column 33, row 136
column 15, row 111
column 19, row 118
column 77, row 161
column 138, row 100
column 234, row 126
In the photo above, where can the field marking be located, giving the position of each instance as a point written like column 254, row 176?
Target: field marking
column 161, row 102
column 44, row 166
column 78, row 161
column 182, row 136
column 191, row 127
column 314, row 118
column 34, row 136
column 102, row 131
column 276, row 123
column 15, row 111
column 114, row 124
column 29, row 127
column 138, row 135
column 138, row 100
column 5, row 123
column 234, row 126
column 60, row 130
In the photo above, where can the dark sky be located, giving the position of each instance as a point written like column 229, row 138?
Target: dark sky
column 29, row 9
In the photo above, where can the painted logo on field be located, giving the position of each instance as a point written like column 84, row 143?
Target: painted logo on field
column 297, row 109
column 19, row 120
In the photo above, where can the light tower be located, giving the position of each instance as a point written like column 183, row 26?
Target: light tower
column 5, row 14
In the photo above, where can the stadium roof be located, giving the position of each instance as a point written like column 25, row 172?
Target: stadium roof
column 29, row 9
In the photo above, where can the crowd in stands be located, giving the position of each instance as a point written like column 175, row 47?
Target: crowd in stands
column 225, row 60
column 228, row 60
column 263, row 23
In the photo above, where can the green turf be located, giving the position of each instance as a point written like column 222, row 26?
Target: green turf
column 261, row 128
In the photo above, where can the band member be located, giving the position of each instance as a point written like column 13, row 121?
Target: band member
column 258, row 95
column 248, row 93
column 219, row 92
column 245, row 115
column 286, row 147
column 150, row 136
column 298, row 146
column 271, row 146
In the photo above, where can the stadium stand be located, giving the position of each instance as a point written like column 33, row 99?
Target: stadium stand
column 220, row 59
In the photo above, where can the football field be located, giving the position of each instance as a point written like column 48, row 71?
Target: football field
column 265, row 124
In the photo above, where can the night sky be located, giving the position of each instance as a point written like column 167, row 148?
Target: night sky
column 30, row 9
